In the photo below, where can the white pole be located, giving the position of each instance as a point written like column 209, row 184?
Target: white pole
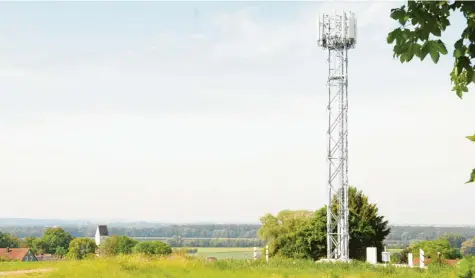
column 267, row 253
column 255, row 253
column 409, row 260
column 421, row 258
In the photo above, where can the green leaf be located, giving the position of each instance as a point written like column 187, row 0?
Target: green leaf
column 462, row 63
column 458, row 53
column 469, row 75
column 403, row 20
column 471, row 138
column 424, row 50
column 471, row 50
column 434, row 54
column 472, row 176
column 435, row 30
column 393, row 35
column 416, row 48
column 458, row 69
column 458, row 44
column 441, row 47
column 458, row 91
column 398, row 13
column 402, row 58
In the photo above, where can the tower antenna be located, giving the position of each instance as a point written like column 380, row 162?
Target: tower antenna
column 337, row 34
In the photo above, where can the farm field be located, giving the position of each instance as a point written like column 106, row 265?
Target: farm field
column 136, row 266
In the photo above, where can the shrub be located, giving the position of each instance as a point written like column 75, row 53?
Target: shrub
column 81, row 248
column 466, row 268
column 432, row 247
column 116, row 245
column 152, row 248
column 397, row 258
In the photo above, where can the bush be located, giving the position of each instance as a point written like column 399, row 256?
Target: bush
column 152, row 248
column 432, row 247
column 466, row 268
column 397, row 258
column 81, row 248
column 116, row 245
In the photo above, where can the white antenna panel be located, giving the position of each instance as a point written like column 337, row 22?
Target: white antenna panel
column 322, row 27
column 344, row 30
column 352, row 27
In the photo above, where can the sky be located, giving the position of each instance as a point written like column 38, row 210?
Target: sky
column 216, row 111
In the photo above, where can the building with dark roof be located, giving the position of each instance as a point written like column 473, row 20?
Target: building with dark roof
column 101, row 234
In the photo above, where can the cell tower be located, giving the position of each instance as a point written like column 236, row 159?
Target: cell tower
column 337, row 34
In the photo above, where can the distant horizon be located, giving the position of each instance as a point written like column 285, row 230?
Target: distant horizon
column 125, row 221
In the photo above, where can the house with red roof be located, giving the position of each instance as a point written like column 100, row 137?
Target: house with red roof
column 18, row 254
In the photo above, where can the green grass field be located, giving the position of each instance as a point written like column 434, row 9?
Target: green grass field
column 227, row 253
column 136, row 266
column 9, row 266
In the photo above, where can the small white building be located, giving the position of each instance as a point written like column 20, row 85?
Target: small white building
column 101, row 234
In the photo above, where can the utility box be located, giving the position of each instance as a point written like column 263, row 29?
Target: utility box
column 371, row 255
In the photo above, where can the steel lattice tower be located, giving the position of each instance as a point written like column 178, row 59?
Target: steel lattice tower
column 337, row 34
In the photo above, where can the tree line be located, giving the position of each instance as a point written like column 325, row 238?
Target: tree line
column 60, row 243
column 241, row 231
column 237, row 235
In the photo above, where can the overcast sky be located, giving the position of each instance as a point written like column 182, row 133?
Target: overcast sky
column 216, row 111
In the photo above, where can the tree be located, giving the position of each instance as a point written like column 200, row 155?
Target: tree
column 455, row 240
column 302, row 234
column 115, row 245
column 80, row 248
column 422, row 24
column 152, row 248
column 367, row 228
column 8, row 240
column 278, row 230
column 54, row 238
column 40, row 246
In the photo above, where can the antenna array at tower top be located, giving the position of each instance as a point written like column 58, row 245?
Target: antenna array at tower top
column 337, row 31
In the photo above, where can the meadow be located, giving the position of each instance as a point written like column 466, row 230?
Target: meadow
column 179, row 266
column 227, row 253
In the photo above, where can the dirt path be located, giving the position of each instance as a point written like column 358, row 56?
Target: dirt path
column 18, row 272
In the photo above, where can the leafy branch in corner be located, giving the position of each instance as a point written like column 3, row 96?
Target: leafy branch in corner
column 421, row 26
